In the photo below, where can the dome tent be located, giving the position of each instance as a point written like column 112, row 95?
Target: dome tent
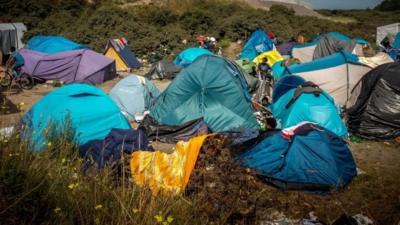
column 305, row 157
column 91, row 112
column 211, row 88
column 77, row 66
column 258, row 43
column 336, row 74
column 134, row 94
column 295, row 102
column 187, row 56
column 374, row 107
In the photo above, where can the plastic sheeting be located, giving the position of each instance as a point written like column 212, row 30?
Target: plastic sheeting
column 272, row 56
column 52, row 44
column 375, row 113
column 163, row 172
column 329, row 45
column 306, row 157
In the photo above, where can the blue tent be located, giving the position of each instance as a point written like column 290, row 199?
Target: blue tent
column 134, row 94
column 91, row 113
column 319, row 109
column 52, row 44
column 187, row 56
column 211, row 88
column 258, row 43
column 396, row 43
column 306, row 157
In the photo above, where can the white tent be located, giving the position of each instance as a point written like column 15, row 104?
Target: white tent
column 11, row 36
column 388, row 30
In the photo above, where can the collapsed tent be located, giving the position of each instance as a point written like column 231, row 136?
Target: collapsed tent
column 52, row 44
column 75, row 66
column 336, row 74
column 85, row 109
column 164, row 172
column 295, row 101
column 374, row 111
column 328, row 44
column 125, row 59
column 163, row 69
column 187, row 56
column 258, row 43
column 133, row 95
column 306, row 157
column 211, row 88
column 171, row 134
column 11, row 36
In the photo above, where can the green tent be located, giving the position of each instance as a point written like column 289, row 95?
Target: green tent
column 247, row 67
column 212, row 88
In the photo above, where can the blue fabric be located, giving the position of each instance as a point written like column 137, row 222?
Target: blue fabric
column 52, row 44
column 324, row 63
column 394, row 53
column 19, row 60
column 313, row 159
column 396, row 43
column 89, row 111
column 285, row 84
column 109, row 150
column 308, row 107
column 187, row 56
column 130, row 58
column 133, row 95
column 258, row 43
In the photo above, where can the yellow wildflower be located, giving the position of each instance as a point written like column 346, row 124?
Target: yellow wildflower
column 135, row 210
column 57, row 210
column 72, row 186
column 170, row 219
column 98, row 207
column 159, row 218
column 63, row 160
column 49, row 144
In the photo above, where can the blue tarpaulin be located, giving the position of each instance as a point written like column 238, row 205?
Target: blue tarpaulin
column 52, row 44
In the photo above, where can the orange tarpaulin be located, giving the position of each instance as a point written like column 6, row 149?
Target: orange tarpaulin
column 165, row 172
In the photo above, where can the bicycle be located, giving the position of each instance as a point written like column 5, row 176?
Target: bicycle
column 10, row 76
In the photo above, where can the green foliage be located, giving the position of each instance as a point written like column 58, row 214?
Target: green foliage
column 388, row 5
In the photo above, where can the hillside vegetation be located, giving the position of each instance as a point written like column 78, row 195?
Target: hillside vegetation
column 157, row 26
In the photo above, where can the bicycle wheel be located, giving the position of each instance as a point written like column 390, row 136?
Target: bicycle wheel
column 26, row 82
column 5, row 79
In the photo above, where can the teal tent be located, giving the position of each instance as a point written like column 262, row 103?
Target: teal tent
column 187, row 56
column 211, row 88
column 134, row 94
column 91, row 114
column 290, row 108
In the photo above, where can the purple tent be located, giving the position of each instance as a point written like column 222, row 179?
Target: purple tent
column 286, row 48
column 76, row 66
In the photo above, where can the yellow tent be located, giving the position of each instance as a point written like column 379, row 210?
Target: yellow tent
column 165, row 172
column 272, row 56
column 118, row 50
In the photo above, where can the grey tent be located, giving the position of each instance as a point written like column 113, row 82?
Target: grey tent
column 163, row 69
column 329, row 45
column 10, row 36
